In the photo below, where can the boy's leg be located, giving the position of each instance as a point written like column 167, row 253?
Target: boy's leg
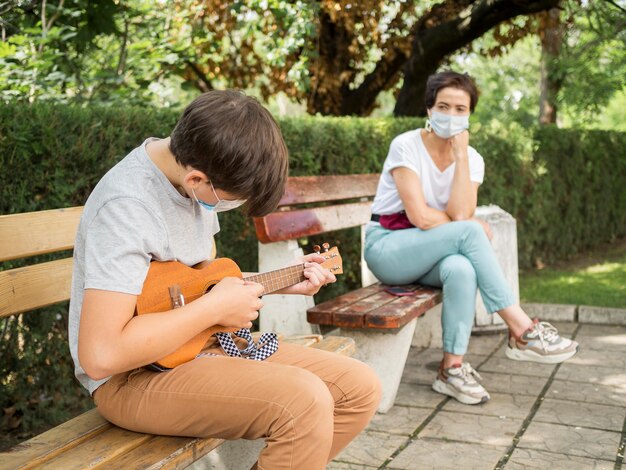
column 237, row 398
column 354, row 386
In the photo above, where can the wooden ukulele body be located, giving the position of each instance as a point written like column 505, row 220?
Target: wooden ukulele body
column 193, row 282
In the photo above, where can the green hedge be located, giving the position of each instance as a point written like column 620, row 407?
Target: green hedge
column 565, row 188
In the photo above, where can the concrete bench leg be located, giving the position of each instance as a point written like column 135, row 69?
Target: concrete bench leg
column 231, row 455
column 386, row 353
column 284, row 313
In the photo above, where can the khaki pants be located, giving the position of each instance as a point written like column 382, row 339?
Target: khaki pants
column 307, row 404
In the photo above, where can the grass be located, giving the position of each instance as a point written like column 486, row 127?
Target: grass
column 597, row 278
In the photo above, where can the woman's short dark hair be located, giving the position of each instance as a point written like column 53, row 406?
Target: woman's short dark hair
column 450, row 79
column 234, row 140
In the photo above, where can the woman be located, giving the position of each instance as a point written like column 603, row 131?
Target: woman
column 423, row 230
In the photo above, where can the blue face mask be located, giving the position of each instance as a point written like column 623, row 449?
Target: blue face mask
column 221, row 205
column 446, row 125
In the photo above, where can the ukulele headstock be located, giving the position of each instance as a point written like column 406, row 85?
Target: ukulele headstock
column 333, row 261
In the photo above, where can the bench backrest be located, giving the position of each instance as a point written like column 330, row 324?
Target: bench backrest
column 318, row 204
column 30, row 234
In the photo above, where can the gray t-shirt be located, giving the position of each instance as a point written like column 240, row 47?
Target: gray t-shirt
column 133, row 216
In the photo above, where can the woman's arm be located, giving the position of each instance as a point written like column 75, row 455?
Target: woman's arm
column 464, row 192
column 410, row 190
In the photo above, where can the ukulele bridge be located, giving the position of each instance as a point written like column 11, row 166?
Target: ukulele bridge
column 176, row 296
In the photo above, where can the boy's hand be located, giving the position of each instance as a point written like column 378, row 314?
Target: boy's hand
column 236, row 302
column 316, row 276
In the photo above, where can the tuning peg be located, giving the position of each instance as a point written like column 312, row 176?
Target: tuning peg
column 326, row 246
column 316, row 249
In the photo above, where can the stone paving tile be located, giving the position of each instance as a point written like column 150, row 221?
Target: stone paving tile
column 611, row 376
column 594, row 358
column 505, row 365
column 485, row 344
column 418, row 395
column 471, row 428
column 568, row 440
column 445, row 455
column 602, row 330
column 586, row 392
column 609, row 343
column 422, row 368
column 609, row 418
column 501, row 404
column 512, row 383
column 400, row 420
column 565, row 328
column 528, row 459
column 370, row 448
column 347, row 466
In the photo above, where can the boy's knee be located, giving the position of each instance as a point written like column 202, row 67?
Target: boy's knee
column 362, row 386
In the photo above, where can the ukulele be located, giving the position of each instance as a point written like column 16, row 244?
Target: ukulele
column 171, row 284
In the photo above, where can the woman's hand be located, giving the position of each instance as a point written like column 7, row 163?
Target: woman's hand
column 316, row 276
column 459, row 144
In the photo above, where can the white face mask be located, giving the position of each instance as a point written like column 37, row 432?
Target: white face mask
column 446, row 125
column 221, row 205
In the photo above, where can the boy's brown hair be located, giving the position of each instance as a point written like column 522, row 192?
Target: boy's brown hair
column 450, row 79
column 234, row 140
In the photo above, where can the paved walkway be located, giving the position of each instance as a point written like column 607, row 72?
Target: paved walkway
column 567, row 416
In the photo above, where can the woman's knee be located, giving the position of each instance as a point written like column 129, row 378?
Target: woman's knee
column 457, row 267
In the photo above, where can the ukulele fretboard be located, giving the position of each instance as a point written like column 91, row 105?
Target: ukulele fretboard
column 279, row 279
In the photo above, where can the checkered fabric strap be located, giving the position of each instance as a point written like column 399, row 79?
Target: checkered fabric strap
column 264, row 348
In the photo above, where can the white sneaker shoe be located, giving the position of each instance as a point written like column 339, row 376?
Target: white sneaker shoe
column 459, row 382
column 541, row 343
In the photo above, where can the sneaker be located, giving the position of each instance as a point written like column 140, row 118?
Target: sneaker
column 541, row 343
column 459, row 381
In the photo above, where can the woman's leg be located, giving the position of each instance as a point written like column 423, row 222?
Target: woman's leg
column 456, row 275
column 403, row 256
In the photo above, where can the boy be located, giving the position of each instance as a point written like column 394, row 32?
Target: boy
column 160, row 203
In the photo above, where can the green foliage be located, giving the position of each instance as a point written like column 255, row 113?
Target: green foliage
column 599, row 281
column 564, row 187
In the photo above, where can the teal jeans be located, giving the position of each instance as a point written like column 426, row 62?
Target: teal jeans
column 456, row 256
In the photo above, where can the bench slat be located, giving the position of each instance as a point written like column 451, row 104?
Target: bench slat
column 402, row 310
column 311, row 189
column 96, row 451
column 371, row 307
column 337, row 344
column 164, row 452
column 322, row 314
column 290, row 225
column 37, row 233
column 48, row 445
column 35, row 286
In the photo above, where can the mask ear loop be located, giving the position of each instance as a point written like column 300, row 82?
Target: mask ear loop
column 428, row 126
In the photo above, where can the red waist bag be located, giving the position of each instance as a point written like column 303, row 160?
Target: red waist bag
column 396, row 221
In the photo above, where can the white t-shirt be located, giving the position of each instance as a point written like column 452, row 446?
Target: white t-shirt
column 408, row 150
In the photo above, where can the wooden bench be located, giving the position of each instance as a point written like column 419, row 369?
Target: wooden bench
column 382, row 324
column 89, row 440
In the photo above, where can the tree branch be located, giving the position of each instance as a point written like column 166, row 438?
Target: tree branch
column 616, row 5
column 433, row 43
column 204, row 83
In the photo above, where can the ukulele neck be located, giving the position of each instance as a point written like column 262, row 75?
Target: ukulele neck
column 276, row 280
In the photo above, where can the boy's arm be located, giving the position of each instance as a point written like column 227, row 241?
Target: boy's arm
column 113, row 340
